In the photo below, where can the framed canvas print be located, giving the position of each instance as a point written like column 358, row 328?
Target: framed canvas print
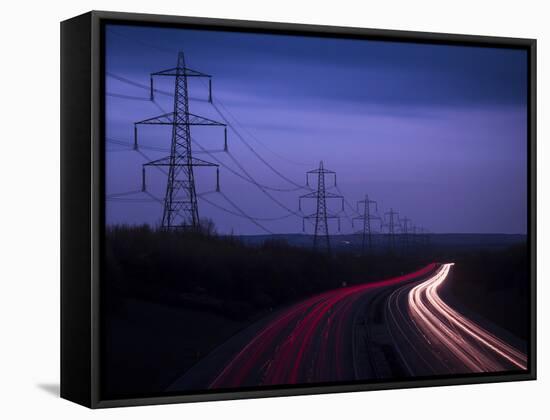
column 257, row 209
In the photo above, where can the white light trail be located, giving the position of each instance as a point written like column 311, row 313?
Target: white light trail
column 475, row 347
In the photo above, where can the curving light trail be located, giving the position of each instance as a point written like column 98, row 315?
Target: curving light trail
column 442, row 326
column 308, row 342
column 320, row 340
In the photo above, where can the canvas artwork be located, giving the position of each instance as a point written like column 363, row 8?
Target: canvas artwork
column 287, row 211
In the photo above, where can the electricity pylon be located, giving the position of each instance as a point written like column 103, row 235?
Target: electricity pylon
column 393, row 225
column 366, row 216
column 321, row 215
column 180, row 200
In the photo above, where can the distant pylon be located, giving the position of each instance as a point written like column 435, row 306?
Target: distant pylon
column 366, row 216
column 392, row 226
column 321, row 216
column 180, row 200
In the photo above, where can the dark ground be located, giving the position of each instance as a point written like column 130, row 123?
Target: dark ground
column 170, row 298
column 148, row 344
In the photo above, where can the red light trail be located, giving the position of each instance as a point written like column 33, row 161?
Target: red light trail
column 402, row 325
column 309, row 342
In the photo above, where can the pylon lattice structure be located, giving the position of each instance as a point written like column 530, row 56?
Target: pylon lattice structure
column 366, row 215
column 180, row 200
column 321, row 237
column 392, row 224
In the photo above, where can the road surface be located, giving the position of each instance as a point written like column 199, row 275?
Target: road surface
column 394, row 328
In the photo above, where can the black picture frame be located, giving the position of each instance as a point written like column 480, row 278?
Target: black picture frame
column 82, row 199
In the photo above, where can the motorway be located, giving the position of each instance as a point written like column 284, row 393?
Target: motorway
column 394, row 328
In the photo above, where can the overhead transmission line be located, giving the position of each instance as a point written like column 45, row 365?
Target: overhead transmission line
column 123, row 96
column 247, row 176
column 252, row 136
column 296, row 187
column 135, row 84
column 249, row 147
column 166, row 50
column 123, row 197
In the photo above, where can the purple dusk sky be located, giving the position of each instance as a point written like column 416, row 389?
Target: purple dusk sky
column 438, row 133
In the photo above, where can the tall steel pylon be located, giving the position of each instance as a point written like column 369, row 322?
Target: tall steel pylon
column 366, row 216
column 392, row 226
column 321, row 216
column 181, row 208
